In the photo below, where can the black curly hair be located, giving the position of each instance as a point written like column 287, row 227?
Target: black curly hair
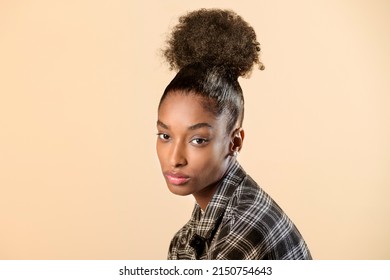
column 210, row 49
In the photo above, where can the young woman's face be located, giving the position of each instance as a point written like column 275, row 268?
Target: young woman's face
column 193, row 146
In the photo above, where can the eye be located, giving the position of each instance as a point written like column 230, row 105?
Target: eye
column 199, row 141
column 163, row 136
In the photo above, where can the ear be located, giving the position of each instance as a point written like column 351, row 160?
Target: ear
column 237, row 139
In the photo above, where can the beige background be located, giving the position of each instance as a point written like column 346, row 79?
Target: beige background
column 79, row 86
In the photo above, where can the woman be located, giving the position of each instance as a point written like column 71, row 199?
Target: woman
column 199, row 136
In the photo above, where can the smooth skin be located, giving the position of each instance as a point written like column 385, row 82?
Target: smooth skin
column 193, row 146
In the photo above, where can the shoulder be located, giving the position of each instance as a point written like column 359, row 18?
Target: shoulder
column 257, row 226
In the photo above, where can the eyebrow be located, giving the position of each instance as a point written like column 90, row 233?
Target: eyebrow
column 163, row 125
column 199, row 125
column 192, row 127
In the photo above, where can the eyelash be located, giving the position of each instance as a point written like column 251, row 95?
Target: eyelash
column 193, row 141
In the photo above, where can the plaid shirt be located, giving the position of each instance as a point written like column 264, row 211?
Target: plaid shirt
column 240, row 222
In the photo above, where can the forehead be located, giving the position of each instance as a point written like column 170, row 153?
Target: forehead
column 187, row 109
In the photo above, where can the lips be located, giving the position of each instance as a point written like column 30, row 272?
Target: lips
column 176, row 178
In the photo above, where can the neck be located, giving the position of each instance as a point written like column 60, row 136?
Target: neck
column 204, row 196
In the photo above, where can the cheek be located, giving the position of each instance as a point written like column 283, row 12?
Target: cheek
column 209, row 160
column 160, row 152
column 220, row 150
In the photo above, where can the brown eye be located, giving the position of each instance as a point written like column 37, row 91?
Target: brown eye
column 199, row 141
column 163, row 136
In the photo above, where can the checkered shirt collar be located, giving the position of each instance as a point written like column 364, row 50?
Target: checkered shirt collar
column 208, row 222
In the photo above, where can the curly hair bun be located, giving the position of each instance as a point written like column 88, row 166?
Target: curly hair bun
column 213, row 37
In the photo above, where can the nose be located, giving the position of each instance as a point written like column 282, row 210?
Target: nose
column 178, row 155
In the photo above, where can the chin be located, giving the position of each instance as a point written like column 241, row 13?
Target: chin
column 179, row 190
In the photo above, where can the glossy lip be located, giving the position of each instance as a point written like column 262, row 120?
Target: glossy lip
column 176, row 178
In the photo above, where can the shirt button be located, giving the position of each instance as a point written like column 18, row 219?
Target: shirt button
column 183, row 240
